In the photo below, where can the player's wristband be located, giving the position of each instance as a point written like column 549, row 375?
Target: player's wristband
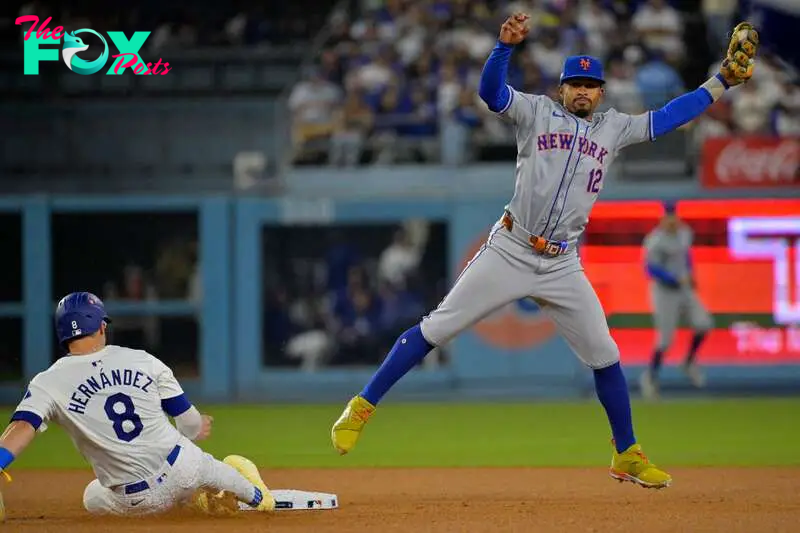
column 6, row 458
column 716, row 86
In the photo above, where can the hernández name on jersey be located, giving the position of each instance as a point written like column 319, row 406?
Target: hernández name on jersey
column 103, row 379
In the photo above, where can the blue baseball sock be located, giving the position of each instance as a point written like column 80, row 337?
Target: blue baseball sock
column 409, row 349
column 612, row 391
column 697, row 340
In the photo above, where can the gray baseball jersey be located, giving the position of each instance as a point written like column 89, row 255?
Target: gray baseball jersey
column 670, row 252
column 562, row 162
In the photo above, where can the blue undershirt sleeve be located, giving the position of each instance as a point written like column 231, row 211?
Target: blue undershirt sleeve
column 492, row 87
column 680, row 110
column 662, row 275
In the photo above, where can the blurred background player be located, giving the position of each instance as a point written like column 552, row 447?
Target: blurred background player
column 673, row 293
column 114, row 403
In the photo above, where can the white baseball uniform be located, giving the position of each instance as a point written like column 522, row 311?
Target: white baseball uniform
column 114, row 404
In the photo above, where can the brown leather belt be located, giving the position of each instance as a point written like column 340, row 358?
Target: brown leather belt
column 539, row 244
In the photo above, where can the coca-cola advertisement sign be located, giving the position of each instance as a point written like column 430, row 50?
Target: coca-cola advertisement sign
column 751, row 162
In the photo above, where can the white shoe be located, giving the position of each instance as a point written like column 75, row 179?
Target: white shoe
column 695, row 375
column 648, row 385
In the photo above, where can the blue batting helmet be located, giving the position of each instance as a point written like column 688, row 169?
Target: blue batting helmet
column 669, row 207
column 79, row 314
column 583, row 67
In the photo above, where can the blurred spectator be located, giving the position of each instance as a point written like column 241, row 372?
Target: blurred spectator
column 457, row 129
column 312, row 103
column 387, row 119
column 375, row 73
column 421, row 120
column 423, row 72
column 352, row 125
column 234, row 28
column 278, row 326
column 176, row 270
column 399, row 260
column 356, row 321
column 658, row 82
column 471, row 37
column 719, row 22
column 137, row 331
column 715, row 122
column 412, row 35
column 399, row 308
column 340, row 260
column 162, row 37
column 786, row 115
column 659, row 26
column 622, row 91
column 751, row 108
column 599, row 26
column 547, row 54
column 449, row 90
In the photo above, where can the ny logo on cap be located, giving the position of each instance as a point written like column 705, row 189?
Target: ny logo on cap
column 585, row 63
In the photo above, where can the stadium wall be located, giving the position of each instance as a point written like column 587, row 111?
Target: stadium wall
column 483, row 363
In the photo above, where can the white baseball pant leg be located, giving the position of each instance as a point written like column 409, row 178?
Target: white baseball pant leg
column 171, row 486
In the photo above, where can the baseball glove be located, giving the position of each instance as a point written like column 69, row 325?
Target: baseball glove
column 737, row 67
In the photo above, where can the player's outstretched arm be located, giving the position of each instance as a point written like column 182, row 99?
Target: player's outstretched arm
column 17, row 436
column 736, row 68
column 174, row 402
column 492, row 87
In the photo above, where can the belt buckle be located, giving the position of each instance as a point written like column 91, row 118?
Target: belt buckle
column 553, row 248
column 547, row 247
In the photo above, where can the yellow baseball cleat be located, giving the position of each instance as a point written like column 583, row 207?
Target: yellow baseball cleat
column 248, row 469
column 347, row 429
column 632, row 465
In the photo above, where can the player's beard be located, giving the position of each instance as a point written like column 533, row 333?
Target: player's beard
column 581, row 113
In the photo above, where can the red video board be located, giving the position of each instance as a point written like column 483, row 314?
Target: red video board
column 747, row 266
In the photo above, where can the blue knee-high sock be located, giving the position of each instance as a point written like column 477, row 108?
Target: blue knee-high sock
column 612, row 390
column 409, row 349
column 697, row 340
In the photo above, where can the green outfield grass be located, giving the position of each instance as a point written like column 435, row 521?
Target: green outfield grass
column 748, row 432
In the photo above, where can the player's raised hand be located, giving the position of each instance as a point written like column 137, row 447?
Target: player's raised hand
column 514, row 29
column 205, row 427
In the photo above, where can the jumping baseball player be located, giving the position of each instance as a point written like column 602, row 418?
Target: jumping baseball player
column 114, row 403
column 673, row 294
column 564, row 150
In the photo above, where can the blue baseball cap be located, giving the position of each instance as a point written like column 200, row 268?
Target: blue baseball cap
column 79, row 314
column 582, row 67
column 669, row 207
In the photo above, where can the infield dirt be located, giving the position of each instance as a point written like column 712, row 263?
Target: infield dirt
column 453, row 500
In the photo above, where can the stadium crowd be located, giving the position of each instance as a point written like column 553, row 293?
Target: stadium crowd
column 396, row 79
column 346, row 303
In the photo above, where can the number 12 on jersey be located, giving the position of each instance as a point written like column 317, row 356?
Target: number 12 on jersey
column 595, row 178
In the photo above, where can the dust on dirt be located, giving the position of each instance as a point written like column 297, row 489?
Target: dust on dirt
column 452, row 500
